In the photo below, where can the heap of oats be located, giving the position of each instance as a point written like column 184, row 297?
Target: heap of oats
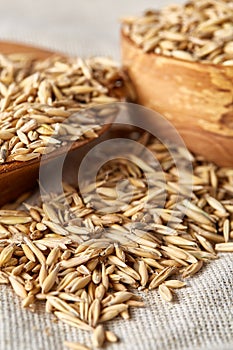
column 86, row 263
column 37, row 98
column 199, row 30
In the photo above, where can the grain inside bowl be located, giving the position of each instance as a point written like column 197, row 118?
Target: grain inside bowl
column 88, row 265
column 199, row 30
column 180, row 61
column 37, row 96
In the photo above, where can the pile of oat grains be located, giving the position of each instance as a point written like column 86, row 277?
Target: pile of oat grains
column 39, row 100
column 87, row 263
column 199, row 30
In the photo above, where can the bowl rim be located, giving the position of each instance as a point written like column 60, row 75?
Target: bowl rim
column 175, row 59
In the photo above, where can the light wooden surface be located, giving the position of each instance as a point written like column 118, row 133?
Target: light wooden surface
column 196, row 98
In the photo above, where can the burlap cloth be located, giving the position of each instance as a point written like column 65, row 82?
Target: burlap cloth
column 200, row 319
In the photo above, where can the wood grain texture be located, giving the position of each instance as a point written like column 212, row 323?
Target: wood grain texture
column 197, row 98
column 18, row 177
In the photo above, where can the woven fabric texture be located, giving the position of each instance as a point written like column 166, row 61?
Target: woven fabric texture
column 200, row 319
column 202, row 316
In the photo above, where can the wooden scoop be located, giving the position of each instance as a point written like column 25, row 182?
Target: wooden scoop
column 18, row 177
column 197, row 98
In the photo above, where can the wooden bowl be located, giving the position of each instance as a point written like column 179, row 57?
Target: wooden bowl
column 19, row 177
column 197, row 98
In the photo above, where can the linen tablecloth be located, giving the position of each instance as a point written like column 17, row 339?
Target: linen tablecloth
column 202, row 316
